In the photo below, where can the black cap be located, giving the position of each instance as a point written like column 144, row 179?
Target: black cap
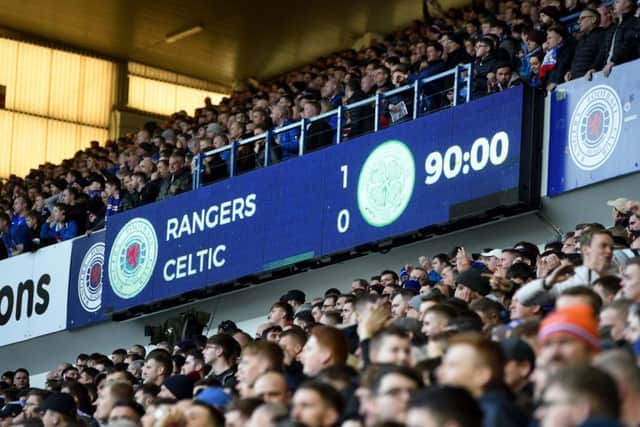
column 180, row 386
column 296, row 295
column 60, row 402
column 515, row 348
column 228, row 327
column 473, row 279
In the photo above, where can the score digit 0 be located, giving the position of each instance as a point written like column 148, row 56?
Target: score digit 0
column 343, row 215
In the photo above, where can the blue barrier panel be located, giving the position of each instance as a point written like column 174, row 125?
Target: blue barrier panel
column 593, row 129
column 86, row 281
column 440, row 167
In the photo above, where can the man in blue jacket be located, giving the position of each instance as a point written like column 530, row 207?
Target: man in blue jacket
column 57, row 228
column 288, row 140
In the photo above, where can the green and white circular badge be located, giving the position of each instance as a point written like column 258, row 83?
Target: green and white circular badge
column 133, row 258
column 386, row 183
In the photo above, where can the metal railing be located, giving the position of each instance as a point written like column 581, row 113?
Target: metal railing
column 418, row 101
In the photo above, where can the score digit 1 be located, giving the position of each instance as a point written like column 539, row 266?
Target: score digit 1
column 343, row 215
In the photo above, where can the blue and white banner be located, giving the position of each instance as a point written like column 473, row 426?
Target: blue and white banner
column 86, row 281
column 33, row 293
column 594, row 129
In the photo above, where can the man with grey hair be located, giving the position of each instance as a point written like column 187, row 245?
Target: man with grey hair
column 213, row 130
column 135, row 368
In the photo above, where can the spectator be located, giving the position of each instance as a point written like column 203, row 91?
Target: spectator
column 534, row 41
column 360, row 119
column 325, row 347
column 557, row 60
column 549, row 17
column 141, row 193
column 620, row 40
column 623, row 369
column 477, row 364
column 316, row 405
column 221, row 353
column 590, row 41
column 257, row 358
column 193, row 366
column 157, row 367
column 577, row 395
column 606, row 17
column 631, row 280
column 179, row 179
column 21, row 379
column 77, row 204
column 58, row 228
column 613, row 320
column 118, row 391
column 288, row 141
column 59, row 411
column 114, row 193
column 596, row 248
column 318, row 133
column 387, row 394
column 444, row 406
column 484, row 64
column 392, row 346
column 520, row 363
column 272, row 387
column 5, row 234
column 505, row 78
column 454, row 46
column 18, row 230
column 568, row 336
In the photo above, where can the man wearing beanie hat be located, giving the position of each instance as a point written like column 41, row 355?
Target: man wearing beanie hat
column 520, row 363
column 177, row 387
column 472, row 284
column 549, row 16
column 568, row 336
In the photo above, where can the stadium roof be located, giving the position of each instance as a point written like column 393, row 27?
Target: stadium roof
column 240, row 38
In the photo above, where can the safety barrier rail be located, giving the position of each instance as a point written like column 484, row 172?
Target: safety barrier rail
column 418, row 101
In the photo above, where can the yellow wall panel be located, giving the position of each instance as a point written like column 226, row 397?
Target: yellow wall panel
column 160, row 95
column 98, row 88
column 166, row 98
column 32, row 79
column 57, row 103
column 88, row 134
column 61, row 140
column 29, row 143
column 65, row 86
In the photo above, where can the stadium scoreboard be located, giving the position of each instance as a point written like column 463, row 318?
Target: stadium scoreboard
column 455, row 163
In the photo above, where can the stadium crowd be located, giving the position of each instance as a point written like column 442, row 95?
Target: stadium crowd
column 510, row 43
column 506, row 337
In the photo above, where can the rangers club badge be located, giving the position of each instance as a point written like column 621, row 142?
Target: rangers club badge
column 90, row 278
column 595, row 127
